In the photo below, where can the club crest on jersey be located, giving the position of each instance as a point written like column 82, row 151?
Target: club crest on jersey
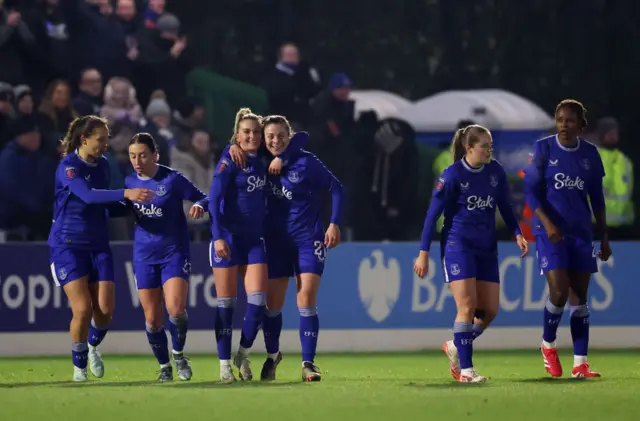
column 70, row 172
column 293, row 176
column 161, row 190
column 584, row 163
column 494, row 181
column 62, row 274
column 455, row 269
column 544, row 262
column 440, row 184
column 464, row 186
column 186, row 268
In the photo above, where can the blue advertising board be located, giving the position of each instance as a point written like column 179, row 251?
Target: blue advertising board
column 365, row 286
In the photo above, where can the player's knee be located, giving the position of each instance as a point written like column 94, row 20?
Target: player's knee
column 153, row 319
column 82, row 311
column 487, row 315
column 306, row 298
column 558, row 297
column 175, row 307
column 103, row 313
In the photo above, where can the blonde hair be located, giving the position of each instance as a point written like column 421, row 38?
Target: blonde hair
column 467, row 136
column 241, row 115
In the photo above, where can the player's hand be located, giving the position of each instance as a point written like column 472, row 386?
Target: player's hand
column 605, row 250
column 421, row 266
column 554, row 234
column 332, row 236
column 523, row 244
column 238, row 156
column 275, row 166
column 196, row 212
column 139, row 195
column 222, row 249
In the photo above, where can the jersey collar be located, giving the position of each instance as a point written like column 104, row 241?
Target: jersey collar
column 564, row 148
column 468, row 167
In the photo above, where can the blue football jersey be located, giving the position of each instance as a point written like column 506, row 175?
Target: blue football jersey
column 469, row 198
column 161, row 226
column 295, row 198
column 561, row 181
column 79, row 210
column 237, row 199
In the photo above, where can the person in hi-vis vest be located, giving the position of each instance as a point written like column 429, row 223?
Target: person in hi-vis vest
column 618, row 180
column 443, row 160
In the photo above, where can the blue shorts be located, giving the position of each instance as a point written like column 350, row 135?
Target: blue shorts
column 570, row 253
column 459, row 265
column 70, row 264
column 244, row 251
column 286, row 259
column 154, row 275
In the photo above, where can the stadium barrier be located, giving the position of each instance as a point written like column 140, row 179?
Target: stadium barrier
column 369, row 300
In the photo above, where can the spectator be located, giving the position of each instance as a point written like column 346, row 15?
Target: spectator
column 122, row 130
column 188, row 116
column 162, row 59
column 154, row 10
column 56, row 113
column 26, row 191
column 7, row 113
column 97, row 38
column 23, row 98
column 51, row 32
column 128, row 17
column 131, row 23
column 332, row 123
column 120, row 101
column 292, row 86
column 16, row 40
column 157, row 124
column 196, row 162
column 618, row 180
column 89, row 100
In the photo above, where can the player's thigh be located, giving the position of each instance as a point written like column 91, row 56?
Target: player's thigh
column 255, row 277
column 226, row 281
column 458, row 265
column 174, row 274
column 551, row 256
column 281, row 259
column 312, row 256
column 579, row 287
column 175, row 295
column 101, row 285
column 77, row 292
column 69, row 265
column 488, row 299
column 465, row 295
column 277, row 292
column 307, row 285
column 151, row 301
column 582, row 258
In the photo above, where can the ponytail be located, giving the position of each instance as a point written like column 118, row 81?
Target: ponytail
column 244, row 114
column 464, row 137
column 80, row 127
column 457, row 145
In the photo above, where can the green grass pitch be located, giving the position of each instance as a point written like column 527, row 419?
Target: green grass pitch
column 367, row 387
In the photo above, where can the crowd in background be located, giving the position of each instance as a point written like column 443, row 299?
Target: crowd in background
column 126, row 60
